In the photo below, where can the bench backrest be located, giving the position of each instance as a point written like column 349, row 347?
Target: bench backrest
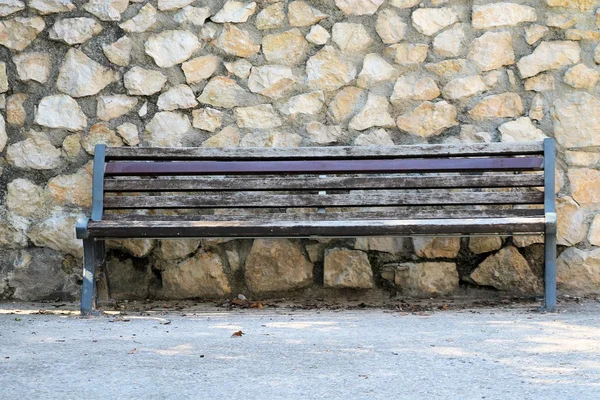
column 417, row 180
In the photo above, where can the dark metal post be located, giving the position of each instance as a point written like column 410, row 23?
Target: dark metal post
column 550, row 237
column 88, row 288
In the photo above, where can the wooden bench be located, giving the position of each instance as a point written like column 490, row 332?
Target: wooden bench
column 464, row 190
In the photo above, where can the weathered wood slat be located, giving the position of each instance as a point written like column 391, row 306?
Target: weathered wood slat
column 250, row 229
column 338, row 152
column 338, row 216
column 328, row 183
column 322, row 166
column 259, row 200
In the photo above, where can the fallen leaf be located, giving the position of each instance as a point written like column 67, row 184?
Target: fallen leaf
column 132, row 351
column 238, row 334
column 258, row 305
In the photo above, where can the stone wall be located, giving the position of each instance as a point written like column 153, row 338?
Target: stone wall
column 290, row 73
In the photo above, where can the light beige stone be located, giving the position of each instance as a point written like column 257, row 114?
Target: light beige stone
column 428, row 119
column 426, row 279
column 270, row 139
column 549, row 55
column 222, row 92
column 171, row 47
column 228, row 137
column 25, row 198
column 193, row 15
column 585, row 185
column 3, row 78
column 175, row 249
column 323, row 134
column 414, row 87
column 449, row 69
column 578, row 271
column 167, row 129
column 451, row 42
column 375, row 113
column 80, row 76
column 390, row 27
column 207, row 119
column 109, row 107
column 61, row 112
column 487, row 16
column 129, row 133
column 106, row 10
column 177, row 97
column 580, row 34
column 345, row 268
column 405, row 3
column 3, row 136
column 318, row 35
column 429, row 21
column 36, row 152
column 237, row 42
column 18, row 33
column 271, row 17
column 582, row 159
column 504, row 105
column 170, row 5
column 407, row 53
column 143, row 82
column 351, row 37
column 359, row 7
column 240, row 68
column 261, row 116
column 74, row 30
column 199, row 276
column 200, row 68
column 436, row 247
column 119, row 52
column 302, row 14
column 507, row 270
column 286, row 48
column 581, row 5
column 492, row 50
column 524, row 241
column 306, row 104
column 540, row 83
column 378, row 137
column 346, row 103
column 138, row 248
column 521, row 130
column 15, row 109
column 385, row 244
column 461, row 88
column 375, row 70
column 33, row 66
column 8, row 7
column 277, row 265
column 571, row 223
column 143, row 21
column 561, row 21
column 12, row 231
column 45, row 7
column 329, row 70
column 535, row 32
column 274, row 81
column 581, row 77
column 99, row 134
column 234, row 11
column 57, row 233
column 74, row 189
column 536, row 112
column 594, row 234
column 484, row 244
column 576, row 120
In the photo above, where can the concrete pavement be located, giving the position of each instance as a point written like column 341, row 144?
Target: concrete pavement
column 482, row 353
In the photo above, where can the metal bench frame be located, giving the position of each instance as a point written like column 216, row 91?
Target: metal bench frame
column 379, row 160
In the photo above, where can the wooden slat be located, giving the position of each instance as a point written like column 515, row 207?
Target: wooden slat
column 258, row 200
column 322, row 166
column 328, row 183
column 412, row 213
column 251, row 229
column 338, row 152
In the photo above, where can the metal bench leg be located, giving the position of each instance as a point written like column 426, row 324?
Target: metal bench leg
column 88, row 288
column 550, row 272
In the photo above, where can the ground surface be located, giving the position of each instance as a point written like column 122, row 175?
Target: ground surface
column 504, row 352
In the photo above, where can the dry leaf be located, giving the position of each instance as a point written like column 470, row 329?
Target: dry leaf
column 132, row 351
column 258, row 305
column 238, row 334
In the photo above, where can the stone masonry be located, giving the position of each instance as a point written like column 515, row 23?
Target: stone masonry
column 279, row 73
